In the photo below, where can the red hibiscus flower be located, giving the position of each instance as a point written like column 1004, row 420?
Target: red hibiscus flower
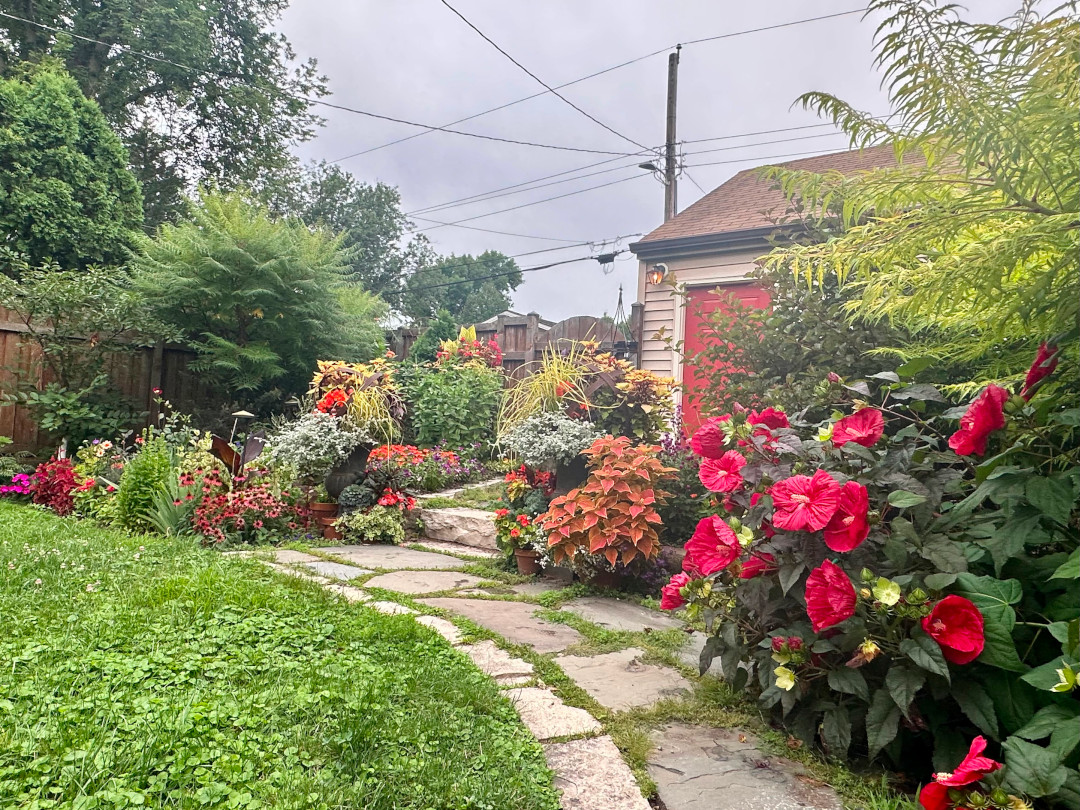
column 757, row 565
column 830, row 596
column 713, row 548
column 974, row 767
column 722, row 474
column 1046, row 361
column 770, row 418
column 985, row 415
column 864, row 427
column 670, row 598
column 957, row 626
column 805, row 502
column 849, row 526
column 934, row 797
column 708, row 440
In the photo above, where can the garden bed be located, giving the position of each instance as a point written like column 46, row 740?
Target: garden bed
column 160, row 673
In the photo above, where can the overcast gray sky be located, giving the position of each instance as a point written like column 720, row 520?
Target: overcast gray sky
column 416, row 60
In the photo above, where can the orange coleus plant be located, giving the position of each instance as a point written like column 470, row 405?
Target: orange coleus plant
column 614, row 513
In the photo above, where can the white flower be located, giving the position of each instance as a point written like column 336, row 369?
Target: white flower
column 137, row 555
column 37, row 581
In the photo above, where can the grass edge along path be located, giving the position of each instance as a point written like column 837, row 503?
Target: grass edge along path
column 146, row 671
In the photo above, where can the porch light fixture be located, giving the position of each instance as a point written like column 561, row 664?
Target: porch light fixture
column 656, row 273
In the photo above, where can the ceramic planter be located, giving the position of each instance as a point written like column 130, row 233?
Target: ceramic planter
column 570, row 474
column 348, row 471
column 528, row 561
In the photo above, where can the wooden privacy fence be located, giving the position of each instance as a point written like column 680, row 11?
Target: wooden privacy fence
column 134, row 377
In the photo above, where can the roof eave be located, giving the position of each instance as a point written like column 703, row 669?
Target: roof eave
column 698, row 244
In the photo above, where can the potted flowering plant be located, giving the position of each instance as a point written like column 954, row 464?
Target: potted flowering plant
column 517, row 533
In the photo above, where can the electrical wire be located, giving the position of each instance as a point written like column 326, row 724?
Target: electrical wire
column 512, row 273
column 773, row 27
column 538, row 80
column 501, row 233
column 308, row 100
column 761, row 157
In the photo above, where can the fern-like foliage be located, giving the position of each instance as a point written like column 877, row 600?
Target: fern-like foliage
column 971, row 241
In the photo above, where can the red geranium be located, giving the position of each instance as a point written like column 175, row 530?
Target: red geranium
column 670, row 598
column 722, row 474
column 957, row 626
column 830, row 596
column 864, row 427
column 757, row 565
column 1046, row 361
column 985, row 415
column 713, row 547
column 849, row 526
column 805, row 502
column 708, row 440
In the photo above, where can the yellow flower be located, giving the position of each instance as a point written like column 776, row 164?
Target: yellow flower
column 785, row 678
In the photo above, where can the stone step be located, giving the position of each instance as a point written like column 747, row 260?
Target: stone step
column 459, row 524
column 591, row 775
column 547, row 717
column 620, row 681
column 514, row 621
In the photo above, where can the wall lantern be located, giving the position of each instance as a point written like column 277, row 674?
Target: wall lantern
column 656, row 273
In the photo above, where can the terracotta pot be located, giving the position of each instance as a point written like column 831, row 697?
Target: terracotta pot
column 528, row 561
column 331, row 532
column 319, row 509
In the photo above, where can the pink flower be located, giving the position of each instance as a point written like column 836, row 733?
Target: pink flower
column 985, row 415
column 974, row 767
column 713, row 548
column 722, row 474
column 670, row 598
column 757, row 565
column 1043, row 366
column 849, row 526
column 708, row 440
column 770, row 418
column 830, row 596
column 805, row 502
column 864, row 427
column 958, row 628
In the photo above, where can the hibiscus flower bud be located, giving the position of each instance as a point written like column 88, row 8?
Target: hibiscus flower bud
column 866, row 575
column 976, row 800
column 917, row 597
column 794, row 643
column 865, row 593
column 778, row 643
column 999, row 797
column 833, row 377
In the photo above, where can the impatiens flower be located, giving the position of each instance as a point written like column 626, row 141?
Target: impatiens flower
column 974, row 767
column 708, row 440
column 849, row 526
column 770, row 418
column 759, row 564
column 830, row 596
column 805, row 502
column 713, row 548
column 670, row 598
column 985, row 415
column 957, row 626
column 864, row 427
column 1046, row 361
column 722, row 474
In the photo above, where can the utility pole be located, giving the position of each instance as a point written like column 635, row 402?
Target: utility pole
column 671, row 203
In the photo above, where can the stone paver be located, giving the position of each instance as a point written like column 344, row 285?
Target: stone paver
column 447, row 630
column 591, row 775
column 459, row 524
column 690, row 654
column 512, row 620
column 350, row 593
column 619, row 680
column 538, row 587
column 697, row 768
column 547, row 717
column 391, row 608
column 333, row 570
column 294, row 572
column 498, row 663
column 392, row 557
column 414, row 582
column 458, row 548
column 288, row 556
column 613, row 614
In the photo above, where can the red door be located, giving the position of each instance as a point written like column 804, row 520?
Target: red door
column 699, row 332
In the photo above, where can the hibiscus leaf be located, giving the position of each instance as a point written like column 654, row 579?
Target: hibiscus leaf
column 977, row 705
column 993, row 598
column 836, row 732
column 946, row 555
column 938, row 582
column 882, row 721
column 902, row 499
column 890, row 376
column 1032, row 769
column 920, row 391
column 904, row 683
column 859, row 388
column 915, row 365
column 789, row 575
column 1045, row 677
column 849, row 682
column 1049, row 719
column 1014, row 700
column 926, row 653
column 1051, row 496
column 1070, row 569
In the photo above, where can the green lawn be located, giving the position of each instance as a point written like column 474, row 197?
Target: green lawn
column 171, row 676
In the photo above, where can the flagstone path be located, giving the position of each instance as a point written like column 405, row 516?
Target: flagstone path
column 694, row 767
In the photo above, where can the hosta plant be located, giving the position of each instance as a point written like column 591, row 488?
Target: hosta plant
column 613, row 515
column 902, row 577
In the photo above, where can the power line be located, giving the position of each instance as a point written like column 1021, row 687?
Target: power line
column 501, row 233
column 534, row 202
column 540, row 81
column 512, row 273
column 765, row 143
column 761, row 157
column 308, row 100
column 619, row 66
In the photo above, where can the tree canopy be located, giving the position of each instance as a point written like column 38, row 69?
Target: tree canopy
column 66, row 194
column 369, row 217
column 253, row 295
column 221, row 100
column 469, row 288
column 972, row 246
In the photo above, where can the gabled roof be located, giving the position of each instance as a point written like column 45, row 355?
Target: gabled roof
column 747, row 202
